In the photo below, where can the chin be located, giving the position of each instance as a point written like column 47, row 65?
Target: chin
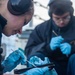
column 61, row 25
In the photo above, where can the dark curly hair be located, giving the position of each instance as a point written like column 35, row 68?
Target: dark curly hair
column 59, row 7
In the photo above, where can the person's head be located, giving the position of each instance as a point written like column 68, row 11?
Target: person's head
column 61, row 12
column 17, row 13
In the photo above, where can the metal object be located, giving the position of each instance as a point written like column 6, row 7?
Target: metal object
column 20, row 71
column 54, row 32
column 32, row 64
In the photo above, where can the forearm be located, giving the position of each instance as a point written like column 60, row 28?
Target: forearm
column 33, row 49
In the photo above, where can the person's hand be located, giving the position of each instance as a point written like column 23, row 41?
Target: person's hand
column 36, row 71
column 55, row 42
column 65, row 48
column 37, row 61
column 13, row 60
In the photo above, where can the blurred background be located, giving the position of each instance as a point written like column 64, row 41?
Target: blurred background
column 12, row 43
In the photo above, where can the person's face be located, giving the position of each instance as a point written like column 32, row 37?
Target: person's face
column 63, row 20
column 15, row 23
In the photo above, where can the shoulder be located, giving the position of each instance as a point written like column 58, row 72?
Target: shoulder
column 44, row 25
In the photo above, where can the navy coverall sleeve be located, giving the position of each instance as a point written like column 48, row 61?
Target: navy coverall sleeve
column 37, row 43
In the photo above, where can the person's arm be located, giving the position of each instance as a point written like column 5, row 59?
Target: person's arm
column 35, row 52
column 36, row 43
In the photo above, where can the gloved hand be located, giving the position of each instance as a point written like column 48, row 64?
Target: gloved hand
column 37, row 61
column 13, row 60
column 65, row 48
column 37, row 71
column 55, row 42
